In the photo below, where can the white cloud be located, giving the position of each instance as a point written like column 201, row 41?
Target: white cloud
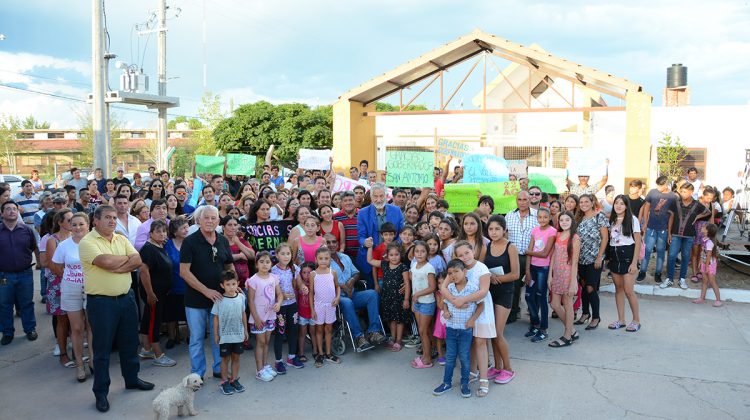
column 247, row 94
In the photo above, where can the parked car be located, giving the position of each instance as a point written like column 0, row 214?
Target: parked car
column 14, row 181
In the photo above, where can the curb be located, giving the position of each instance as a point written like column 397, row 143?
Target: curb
column 733, row 295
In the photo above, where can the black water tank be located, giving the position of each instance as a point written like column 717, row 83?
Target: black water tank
column 676, row 76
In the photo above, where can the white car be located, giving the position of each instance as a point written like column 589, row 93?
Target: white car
column 14, row 181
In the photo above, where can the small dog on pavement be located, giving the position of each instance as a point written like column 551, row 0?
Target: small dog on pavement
column 180, row 395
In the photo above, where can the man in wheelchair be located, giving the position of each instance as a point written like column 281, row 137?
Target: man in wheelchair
column 355, row 296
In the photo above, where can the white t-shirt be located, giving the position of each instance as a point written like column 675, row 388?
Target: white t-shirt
column 616, row 238
column 420, row 280
column 67, row 253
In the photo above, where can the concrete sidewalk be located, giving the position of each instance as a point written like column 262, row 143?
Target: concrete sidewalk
column 687, row 362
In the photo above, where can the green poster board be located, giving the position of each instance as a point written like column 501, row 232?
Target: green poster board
column 550, row 180
column 209, row 164
column 238, row 164
column 410, row 169
column 463, row 198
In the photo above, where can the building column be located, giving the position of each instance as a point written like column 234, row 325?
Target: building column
column 637, row 137
column 353, row 135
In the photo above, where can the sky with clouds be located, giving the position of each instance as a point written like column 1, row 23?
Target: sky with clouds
column 312, row 52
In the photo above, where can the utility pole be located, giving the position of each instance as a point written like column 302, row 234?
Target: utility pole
column 102, row 146
column 161, row 142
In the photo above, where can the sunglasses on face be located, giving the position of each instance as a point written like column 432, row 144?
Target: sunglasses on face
column 535, row 193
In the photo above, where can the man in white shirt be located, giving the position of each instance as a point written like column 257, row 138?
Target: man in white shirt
column 127, row 224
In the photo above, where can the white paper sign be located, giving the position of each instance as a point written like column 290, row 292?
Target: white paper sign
column 588, row 162
column 518, row 168
column 315, row 159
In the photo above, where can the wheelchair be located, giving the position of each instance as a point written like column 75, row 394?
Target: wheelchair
column 341, row 328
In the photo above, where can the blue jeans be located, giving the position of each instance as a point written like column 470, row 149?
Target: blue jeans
column 361, row 299
column 42, row 283
column 17, row 288
column 680, row 245
column 113, row 319
column 198, row 319
column 658, row 238
column 457, row 344
column 536, row 297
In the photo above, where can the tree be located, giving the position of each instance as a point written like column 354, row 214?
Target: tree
column 202, row 141
column 386, row 107
column 253, row 128
column 193, row 123
column 9, row 126
column 670, row 154
column 86, row 123
column 30, row 123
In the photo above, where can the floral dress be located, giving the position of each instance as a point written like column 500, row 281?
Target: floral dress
column 391, row 301
column 561, row 268
column 53, row 287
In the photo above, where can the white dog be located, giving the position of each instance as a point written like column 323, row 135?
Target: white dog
column 180, row 395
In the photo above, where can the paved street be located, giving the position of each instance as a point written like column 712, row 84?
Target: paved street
column 688, row 362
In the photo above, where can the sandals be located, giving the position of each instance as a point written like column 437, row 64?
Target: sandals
column 81, row 373
column 694, row 279
column 69, row 363
column 484, row 388
column 418, row 363
column 633, row 327
column 561, row 342
column 616, row 325
column 302, row 358
column 575, row 336
column 583, row 319
column 395, row 347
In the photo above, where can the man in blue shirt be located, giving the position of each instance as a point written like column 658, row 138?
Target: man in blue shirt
column 352, row 299
column 276, row 179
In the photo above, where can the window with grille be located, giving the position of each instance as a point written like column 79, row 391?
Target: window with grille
column 559, row 157
column 695, row 157
column 532, row 154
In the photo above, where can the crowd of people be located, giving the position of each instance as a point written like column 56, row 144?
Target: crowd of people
column 124, row 263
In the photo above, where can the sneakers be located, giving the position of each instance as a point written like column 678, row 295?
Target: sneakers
column 280, row 368
column 465, row 391
column 295, row 363
column 641, row 276
column 270, row 370
column 362, row 343
column 442, row 389
column 264, row 375
column 683, row 284
column 238, row 387
column 226, row 388
column 441, row 361
column 163, row 361
column 412, row 342
column 332, row 358
column 657, row 277
column 505, row 376
column 492, row 372
column 146, row 354
column 666, row 283
column 376, row 338
column 541, row 335
column 531, row 332
column 56, row 351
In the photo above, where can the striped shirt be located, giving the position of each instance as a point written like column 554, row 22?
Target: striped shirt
column 350, row 227
column 519, row 230
column 30, row 207
column 459, row 316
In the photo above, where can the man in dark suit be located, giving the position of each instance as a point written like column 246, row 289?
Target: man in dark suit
column 369, row 220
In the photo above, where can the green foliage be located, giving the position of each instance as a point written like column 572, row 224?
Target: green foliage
column 201, row 141
column 30, row 123
column 193, row 123
column 182, row 161
column 86, row 124
column 670, row 154
column 385, row 107
column 9, row 125
column 253, row 128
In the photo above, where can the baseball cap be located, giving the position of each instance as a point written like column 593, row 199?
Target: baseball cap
column 120, row 169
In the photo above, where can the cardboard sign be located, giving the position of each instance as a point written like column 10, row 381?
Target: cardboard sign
column 550, row 180
column 209, row 164
column 267, row 236
column 519, row 168
column 463, row 198
column 410, row 169
column 484, row 168
column 197, row 190
column 238, row 164
column 315, row 159
column 453, row 148
column 590, row 162
column 347, row 184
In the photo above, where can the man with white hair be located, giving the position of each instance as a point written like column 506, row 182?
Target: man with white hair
column 203, row 257
column 369, row 221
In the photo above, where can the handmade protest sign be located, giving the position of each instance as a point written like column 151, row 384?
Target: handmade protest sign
column 549, row 180
column 347, row 184
column 314, row 159
column 197, row 190
column 410, row 169
column 588, row 162
column 518, row 168
column 453, row 148
column 238, row 164
column 267, row 236
column 463, row 198
column 209, row 164
column 485, row 168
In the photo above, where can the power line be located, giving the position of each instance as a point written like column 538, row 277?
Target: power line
column 36, row 76
column 70, row 98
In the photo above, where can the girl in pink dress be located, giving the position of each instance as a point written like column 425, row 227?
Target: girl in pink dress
column 563, row 269
column 708, row 257
column 305, row 247
column 324, row 296
column 264, row 298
